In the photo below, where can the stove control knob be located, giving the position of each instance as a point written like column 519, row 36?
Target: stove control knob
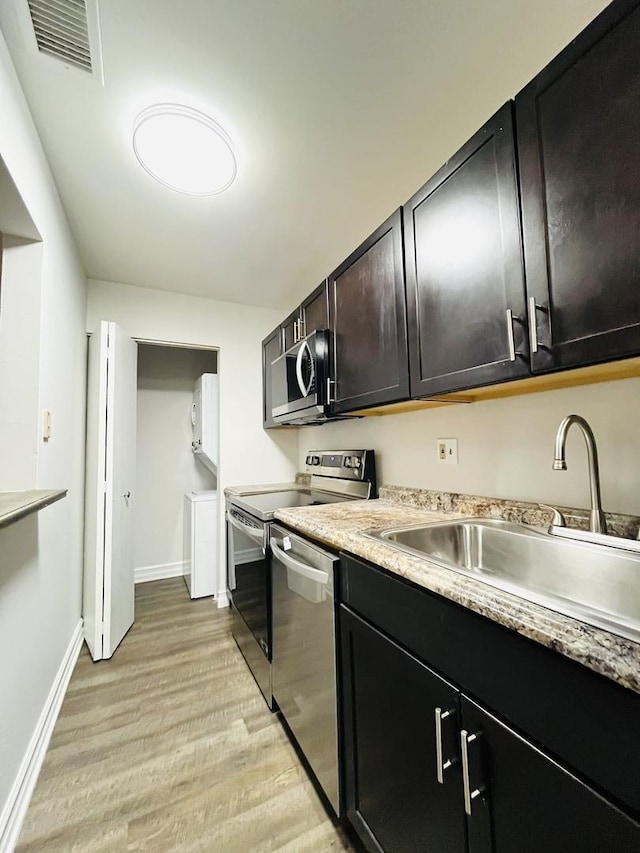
column 347, row 461
column 315, row 460
column 356, row 462
column 309, row 460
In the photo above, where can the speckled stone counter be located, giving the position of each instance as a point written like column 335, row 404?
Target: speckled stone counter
column 520, row 512
column 340, row 526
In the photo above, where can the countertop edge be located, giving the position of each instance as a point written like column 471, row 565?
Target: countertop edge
column 606, row 654
column 33, row 500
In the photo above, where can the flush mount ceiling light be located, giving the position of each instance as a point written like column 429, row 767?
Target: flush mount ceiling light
column 184, row 149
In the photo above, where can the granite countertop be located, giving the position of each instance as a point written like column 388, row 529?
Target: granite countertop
column 340, row 526
column 17, row 505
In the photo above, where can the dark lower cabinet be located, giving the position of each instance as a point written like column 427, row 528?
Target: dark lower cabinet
column 528, row 803
column 393, row 797
column 466, row 310
column 578, row 126
column 427, row 769
column 367, row 319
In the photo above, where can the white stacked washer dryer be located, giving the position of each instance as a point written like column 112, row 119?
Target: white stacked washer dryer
column 201, row 508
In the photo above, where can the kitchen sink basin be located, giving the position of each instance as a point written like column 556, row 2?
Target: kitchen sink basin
column 593, row 583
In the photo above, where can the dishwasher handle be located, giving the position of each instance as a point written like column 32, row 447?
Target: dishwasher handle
column 297, row 565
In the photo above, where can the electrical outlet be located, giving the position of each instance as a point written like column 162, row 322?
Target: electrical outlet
column 447, row 449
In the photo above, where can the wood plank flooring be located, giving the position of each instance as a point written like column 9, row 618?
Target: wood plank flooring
column 169, row 746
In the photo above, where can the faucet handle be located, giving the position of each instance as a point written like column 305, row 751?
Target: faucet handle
column 558, row 519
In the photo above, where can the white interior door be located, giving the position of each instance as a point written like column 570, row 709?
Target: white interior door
column 111, row 461
column 95, row 490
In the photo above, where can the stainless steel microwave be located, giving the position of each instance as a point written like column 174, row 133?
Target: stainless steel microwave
column 299, row 382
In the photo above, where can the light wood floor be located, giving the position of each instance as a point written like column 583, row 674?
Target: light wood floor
column 170, row 746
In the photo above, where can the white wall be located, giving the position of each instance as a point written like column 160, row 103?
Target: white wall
column 40, row 557
column 166, row 467
column 505, row 447
column 19, row 363
column 247, row 452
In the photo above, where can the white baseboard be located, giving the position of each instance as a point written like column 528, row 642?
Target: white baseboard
column 15, row 808
column 222, row 599
column 157, row 573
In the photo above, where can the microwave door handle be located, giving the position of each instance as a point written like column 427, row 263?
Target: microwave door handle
column 251, row 532
column 297, row 565
column 304, row 389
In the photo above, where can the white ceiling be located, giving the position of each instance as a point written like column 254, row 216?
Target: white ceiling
column 339, row 110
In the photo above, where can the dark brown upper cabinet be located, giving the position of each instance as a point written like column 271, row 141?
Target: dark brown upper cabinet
column 311, row 316
column 578, row 127
column 367, row 318
column 465, row 283
column 290, row 330
column 314, row 311
column 271, row 349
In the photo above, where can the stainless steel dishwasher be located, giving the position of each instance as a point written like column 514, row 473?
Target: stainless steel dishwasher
column 304, row 652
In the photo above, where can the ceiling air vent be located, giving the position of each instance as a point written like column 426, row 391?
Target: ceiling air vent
column 68, row 30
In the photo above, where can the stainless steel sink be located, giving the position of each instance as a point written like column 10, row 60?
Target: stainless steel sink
column 593, row 583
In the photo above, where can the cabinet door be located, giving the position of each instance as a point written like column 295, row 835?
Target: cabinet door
column 578, row 126
column 393, row 797
column 367, row 316
column 271, row 349
column 315, row 310
column 290, row 330
column 465, row 281
column 528, row 803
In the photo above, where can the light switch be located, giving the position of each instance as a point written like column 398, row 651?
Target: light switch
column 447, row 449
column 46, row 425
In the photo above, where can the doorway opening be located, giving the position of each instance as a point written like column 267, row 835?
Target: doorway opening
column 167, row 469
column 143, row 479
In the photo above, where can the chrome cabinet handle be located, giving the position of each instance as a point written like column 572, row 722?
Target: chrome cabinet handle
column 296, row 336
column 441, row 764
column 512, row 346
column 533, row 326
column 469, row 795
column 330, row 399
column 301, row 327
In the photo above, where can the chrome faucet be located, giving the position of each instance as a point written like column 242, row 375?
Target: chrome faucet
column 597, row 522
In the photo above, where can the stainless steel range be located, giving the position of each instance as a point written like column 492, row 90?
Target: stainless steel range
column 337, row 476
